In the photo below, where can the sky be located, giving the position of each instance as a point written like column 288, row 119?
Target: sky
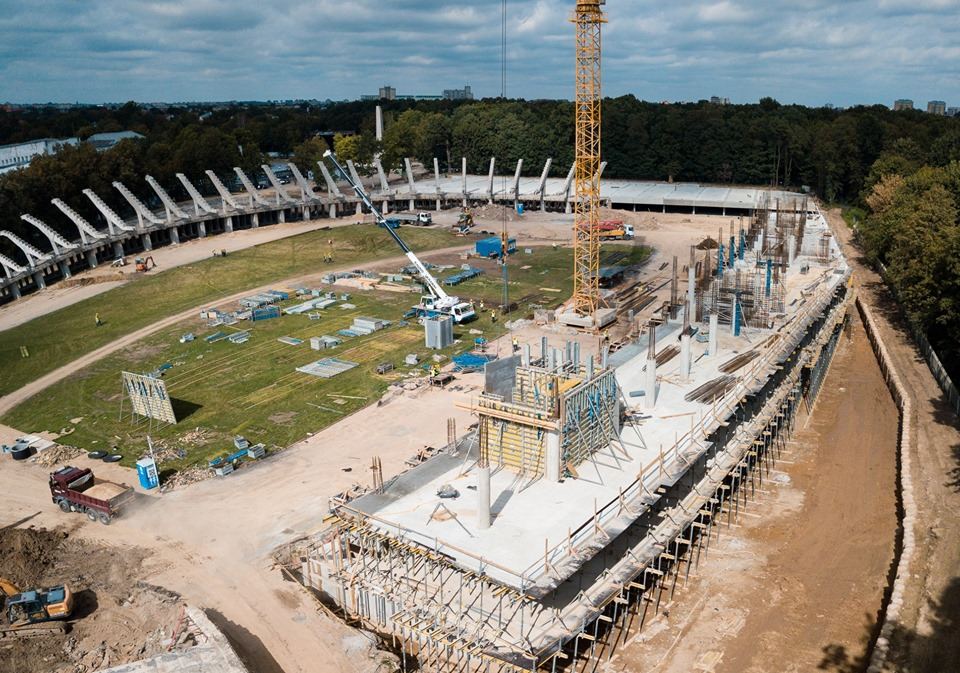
column 813, row 52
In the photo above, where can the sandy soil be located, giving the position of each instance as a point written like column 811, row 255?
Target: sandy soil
column 60, row 295
column 928, row 640
column 115, row 620
column 796, row 586
column 212, row 542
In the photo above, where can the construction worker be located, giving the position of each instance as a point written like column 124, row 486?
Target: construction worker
column 516, row 345
column 481, row 304
column 96, row 318
column 493, row 316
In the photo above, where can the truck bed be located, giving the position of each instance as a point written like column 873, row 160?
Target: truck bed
column 105, row 490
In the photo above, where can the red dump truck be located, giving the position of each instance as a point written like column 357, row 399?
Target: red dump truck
column 75, row 489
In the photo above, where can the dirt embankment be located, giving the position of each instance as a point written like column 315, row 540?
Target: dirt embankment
column 797, row 584
column 116, row 619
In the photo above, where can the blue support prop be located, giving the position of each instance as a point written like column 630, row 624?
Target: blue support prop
column 733, row 250
column 720, row 261
column 769, row 283
column 743, row 244
column 737, row 311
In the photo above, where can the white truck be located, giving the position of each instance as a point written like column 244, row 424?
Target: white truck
column 437, row 302
column 420, row 219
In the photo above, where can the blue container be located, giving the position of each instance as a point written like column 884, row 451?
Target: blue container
column 490, row 247
column 147, row 473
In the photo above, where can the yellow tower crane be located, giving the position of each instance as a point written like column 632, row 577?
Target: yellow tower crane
column 588, row 18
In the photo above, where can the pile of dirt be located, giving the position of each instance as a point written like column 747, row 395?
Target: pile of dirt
column 116, row 618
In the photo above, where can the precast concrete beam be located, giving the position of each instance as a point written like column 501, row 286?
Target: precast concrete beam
column 332, row 188
column 10, row 267
column 411, row 183
column 568, row 183
column 356, row 180
column 490, row 194
column 57, row 242
column 88, row 233
column 253, row 192
column 306, row 191
column 199, row 203
column 173, row 210
column 114, row 222
column 139, row 209
column 384, row 183
column 541, row 188
column 516, row 182
column 281, row 193
column 33, row 254
column 226, row 198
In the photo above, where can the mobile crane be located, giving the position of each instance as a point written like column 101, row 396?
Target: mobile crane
column 437, row 302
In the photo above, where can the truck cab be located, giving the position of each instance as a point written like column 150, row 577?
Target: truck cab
column 424, row 218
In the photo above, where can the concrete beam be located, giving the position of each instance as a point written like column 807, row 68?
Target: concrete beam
column 10, row 267
column 567, row 185
column 253, row 192
column 490, row 194
column 114, row 222
column 33, row 254
column 88, row 233
column 281, row 193
column 226, row 198
column 384, row 183
column 306, row 191
column 57, row 242
column 516, row 182
column 332, row 188
column 139, row 209
column 356, row 180
column 410, row 181
column 173, row 210
column 542, row 187
column 199, row 203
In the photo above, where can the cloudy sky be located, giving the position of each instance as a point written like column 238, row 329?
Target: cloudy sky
column 808, row 51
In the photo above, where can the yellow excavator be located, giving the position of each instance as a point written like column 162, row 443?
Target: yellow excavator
column 34, row 612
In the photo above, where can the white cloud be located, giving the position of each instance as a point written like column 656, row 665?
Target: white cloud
column 855, row 51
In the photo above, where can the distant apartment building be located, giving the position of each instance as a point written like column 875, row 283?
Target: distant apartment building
column 458, row 94
column 719, row 100
column 903, row 104
column 388, row 92
column 106, row 141
column 953, row 111
column 937, row 107
column 19, row 155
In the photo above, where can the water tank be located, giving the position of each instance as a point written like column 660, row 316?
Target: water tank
column 438, row 331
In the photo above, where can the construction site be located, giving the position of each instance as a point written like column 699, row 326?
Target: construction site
column 420, row 423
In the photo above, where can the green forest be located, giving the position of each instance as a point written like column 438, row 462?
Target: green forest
column 898, row 170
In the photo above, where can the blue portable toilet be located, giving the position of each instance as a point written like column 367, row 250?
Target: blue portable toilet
column 519, row 209
column 147, row 472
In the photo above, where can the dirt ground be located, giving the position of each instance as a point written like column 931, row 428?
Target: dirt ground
column 927, row 640
column 115, row 619
column 212, row 543
column 796, row 586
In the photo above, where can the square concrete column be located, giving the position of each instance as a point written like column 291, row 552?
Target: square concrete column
column 202, row 229
column 714, row 328
column 650, row 384
column 228, row 224
column 39, row 280
column 175, row 235
column 282, row 217
column 117, row 249
column 92, row 259
column 15, row 290
column 65, row 269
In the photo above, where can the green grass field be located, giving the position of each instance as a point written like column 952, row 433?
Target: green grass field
column 55, row 339
column 253, row 389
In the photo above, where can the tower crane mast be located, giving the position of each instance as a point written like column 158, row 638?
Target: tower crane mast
column 588, row 18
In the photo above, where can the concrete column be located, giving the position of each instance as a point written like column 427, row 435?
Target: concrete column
column 147, row 242
column 92, row 259
column 39, row 280
column 282, row 216
column 691, row 294
column 332, row 213
column 525, row 355
column 15, row 290
column 483, row 497
column 202, row 229
column 117, row 249
column 576, row 353
column 714, row 327
column 685, row 357
column 463, row 173
column 791, row 248
column 516, row 183
column 359, row 210
column 228, row 224
column 493, row 163
column 590, row 368
column 64, row 269
column 554, row 468
column 650, row 384
column 543, row 350
column 255, row 219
